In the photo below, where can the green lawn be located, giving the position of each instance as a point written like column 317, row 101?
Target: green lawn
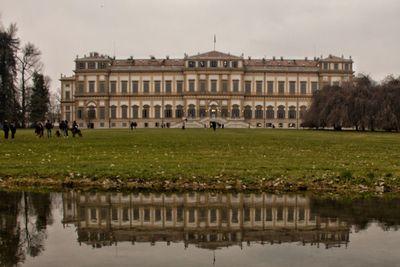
column 201, row 154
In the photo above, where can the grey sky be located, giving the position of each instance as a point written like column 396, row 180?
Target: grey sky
column 366, row 30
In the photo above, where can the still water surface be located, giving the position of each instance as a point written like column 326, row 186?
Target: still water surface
column 196, row 229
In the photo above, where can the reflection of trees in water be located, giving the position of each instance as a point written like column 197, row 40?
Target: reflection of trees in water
column 361, row 212
column 23, row 221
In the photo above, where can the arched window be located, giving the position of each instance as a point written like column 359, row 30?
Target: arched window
column 113, row 112
column 235, row 111
column 124, row 111
column 192, row 111
column 259, row 112
column 179, row 111
column 270, row 112
column 224, row 112
column 281, row 112
column 91, row 113
column 168, row 111
column 303, row 110
column 135, row 112
column 248, row 113
column 202, row 112
column 157, row 112
column 145, row 111
column 292, row 112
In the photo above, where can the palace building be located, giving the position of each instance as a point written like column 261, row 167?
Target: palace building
column 233, row 91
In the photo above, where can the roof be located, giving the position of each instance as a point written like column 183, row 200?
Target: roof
column 149, row 62
column 332, row 58
column 279, row 62
column 214, row 55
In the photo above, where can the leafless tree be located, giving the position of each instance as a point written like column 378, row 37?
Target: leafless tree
column 28, row 63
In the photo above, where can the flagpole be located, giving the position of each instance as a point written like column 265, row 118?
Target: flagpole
column 215, row 40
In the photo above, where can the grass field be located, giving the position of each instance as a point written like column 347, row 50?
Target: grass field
column 204, row 155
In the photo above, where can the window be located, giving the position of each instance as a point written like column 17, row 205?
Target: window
column 80, row 65
column 168, row 87
column 192, row 64
column 281, row 112
column 259, row 87
column 336, row 66
column 91, row 113
column 113, row 87
column 135, row 112
column 225, row 86
column 292, row 112
column 292, row 87
column 102, row 65
column 91, row 87
column 224, row 112
column 157, row 112
column 81, row 87
column 102, row 113
column 314, row 87
column 270, row 112
column 247, row 87
column 326, row 65
column 91, row 65
column 346, row 66
column 124, row 87
column 145, row 87
column 202, row 112
column 202, row 86
column 270, row 87
column 213, row 86
column 259, row 112
column 79, row 113
column 191, row 86
column 235, row 111
column 179, row 111
column 303, row 110
column 113, row 114
column 179, row 87
column 203, row 64
column 225, row 64
column 102, row 87
column 303, row 87
column 145, row 111
column 192, row 111
column 248, row 113
column 168, row 111
column 157, row 87
column 124, row 112
column 234, row 64
column 135, row 87
column 214, row 63
column 235, row 86
column 281, row 87
column 67, row 95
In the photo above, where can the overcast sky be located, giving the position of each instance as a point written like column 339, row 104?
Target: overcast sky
column 364, row 29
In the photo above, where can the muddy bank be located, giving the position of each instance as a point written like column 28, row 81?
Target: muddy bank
column 277, row 185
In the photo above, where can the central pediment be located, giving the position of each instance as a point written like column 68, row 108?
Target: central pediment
column 214, row 55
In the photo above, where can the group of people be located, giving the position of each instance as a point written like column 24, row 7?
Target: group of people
column 7, row 127
column 39, row 129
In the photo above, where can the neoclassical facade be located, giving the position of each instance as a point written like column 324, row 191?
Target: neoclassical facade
column 233, row 91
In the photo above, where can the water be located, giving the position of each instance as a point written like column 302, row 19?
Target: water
column 196, row 229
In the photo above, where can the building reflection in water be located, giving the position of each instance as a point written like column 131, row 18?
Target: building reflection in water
column 206, row 220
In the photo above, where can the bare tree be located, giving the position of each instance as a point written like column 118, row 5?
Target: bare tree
column 28, row 63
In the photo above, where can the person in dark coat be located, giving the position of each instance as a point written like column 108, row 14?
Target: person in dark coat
column 39, row 129
column 6, row 129
column 48, row 127
column 13, row 128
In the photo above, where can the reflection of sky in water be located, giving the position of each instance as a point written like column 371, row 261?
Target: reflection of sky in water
column 370, row 247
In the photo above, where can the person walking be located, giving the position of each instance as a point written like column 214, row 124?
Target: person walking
column 48, row 127
column 13, row 128
column 132, row 126
column 6, row 129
